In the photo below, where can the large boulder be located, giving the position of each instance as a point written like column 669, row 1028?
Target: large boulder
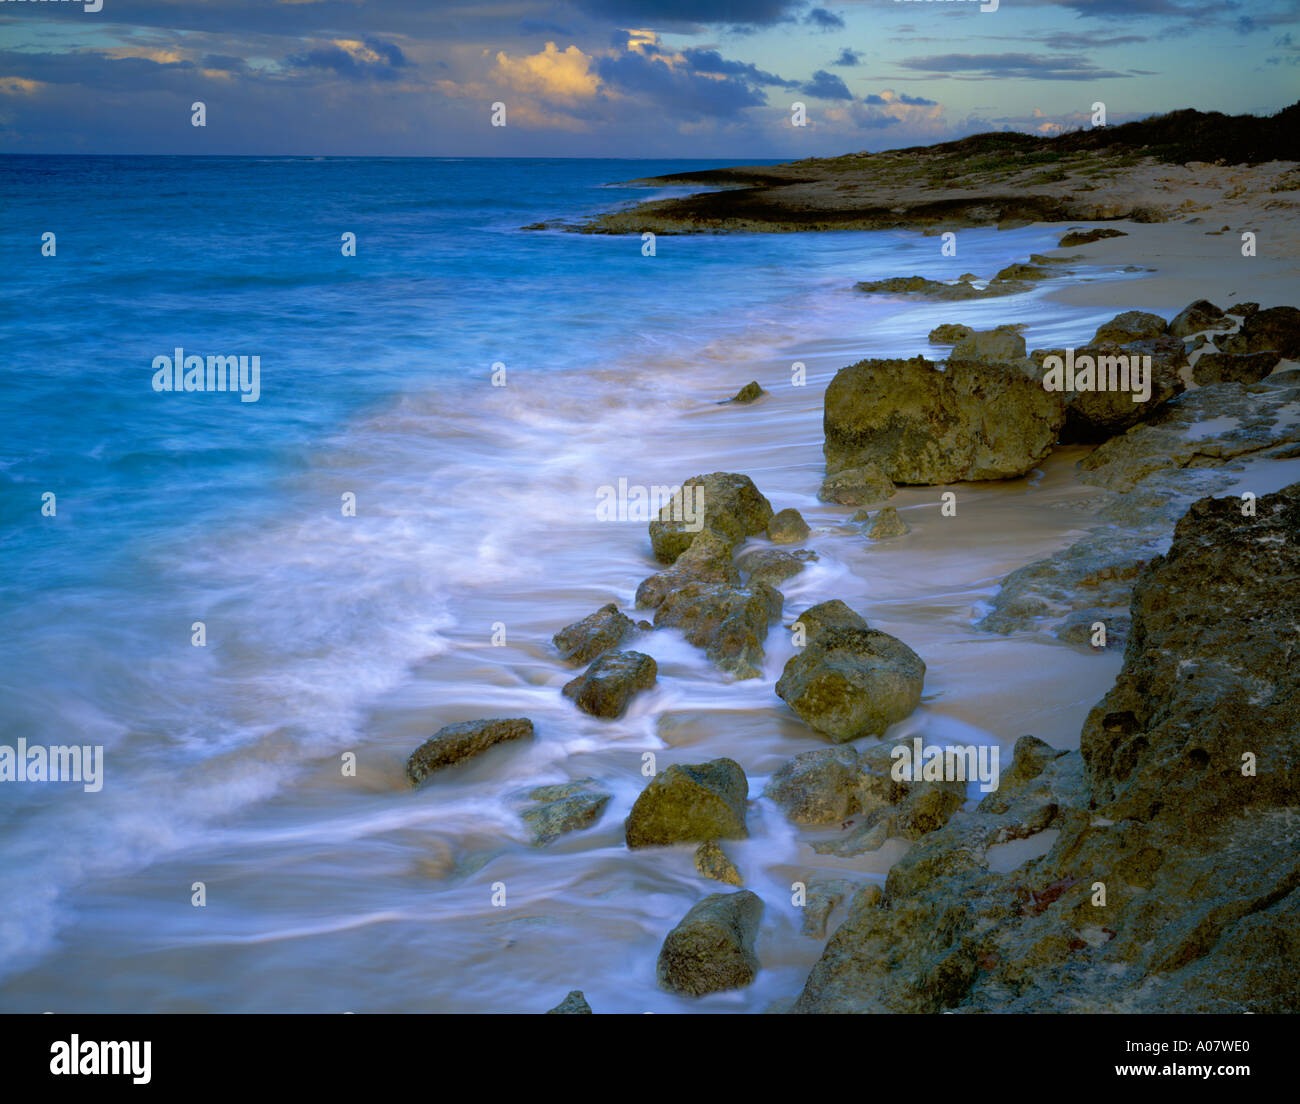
column 730, row 623
column 598, row 632
column 1276, row 329
column 1130, row 326
column 1234, row 367
column 729, row 504
column 695, row 803
column 607, row 687
column 850, row 682
column 713, row 947
column 457, row 742
column 926, row 426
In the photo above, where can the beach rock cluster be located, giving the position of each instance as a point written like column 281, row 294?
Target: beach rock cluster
column 1132, row 901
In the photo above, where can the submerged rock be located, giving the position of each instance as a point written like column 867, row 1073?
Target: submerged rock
column 567, row 807
column 730, row 623
column 456, row 742
column 729, row 505
column 1083, row 237
column 713, row 947
column 598, row 632
column 712, row 862
column 925, row 426
column 849, row 683
column 746, row 394
column 697, row 803
column 888, row 524
column 787, row 527
column 609, row 684
column 575, row 1004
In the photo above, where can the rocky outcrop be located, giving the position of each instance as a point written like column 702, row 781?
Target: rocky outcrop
column 1274, row 330
column 1234, row 367
column 607, row 687
column 706, row 560
column 1166, row 871
column 713, row 947
column 1130, row 326
column 458, row 742
column 698, row 803
column 598, row 632
column 849, row 682
column 1084, row 237
column 728, row 504
column 729, row 623
column 566, row 807
column 1197, row 317
column 925, row 426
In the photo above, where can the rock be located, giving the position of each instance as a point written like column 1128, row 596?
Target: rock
column 1083, row 237
column 856, row 486
column 1080, row 627
column 1234, row 367
column 888, row 524
column 822, row 897
column 730, row 505
column 1243, row 310
column 832, row 614
column 772, row 565
column 712, row 862
column 608, row 685
column 1198, row 316
column 849, row 683
column 568, row 807
column 1018, row 272
column 1097, row 415
column 598, row 632
column 713, row 947
column 707, row 560
column 455, row 742
column 925, row 288
column 1274, row 330
column 818, row 787
column 696, row 803
column 949, row 333
column 730, row 623
column 1130, row 326
column 924, row 426
column 787, row 527
column 575, row 1004
column 746, row 394
column 990, row 347
column 1198, row 860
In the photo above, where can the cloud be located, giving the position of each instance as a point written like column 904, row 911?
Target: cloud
column 1003, row 66
column 826, row 20
column 558, row 76
column 889, row 96
column 826, row 86
column 848, row 57
column 369, row 59
column 686, row 94
column 710, row 61
column 687, row 13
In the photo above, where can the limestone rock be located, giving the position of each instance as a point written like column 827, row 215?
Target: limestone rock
column 598, row 632
column 456, row 742
column 713, row 947
column 607, row 687
column 787, row 527
column 731, row 507
column 696, row 803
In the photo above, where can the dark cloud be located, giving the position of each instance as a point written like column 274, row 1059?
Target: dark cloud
column 710, row 61
column 1003, row 66
column 389, row 59
column 903, row 97
column 224, row 62
column 848, row 57
column 826, row 86
column 685, row 94
column 660, row 13
column 826, row 20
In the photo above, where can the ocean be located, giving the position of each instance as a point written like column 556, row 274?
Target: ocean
column 472, row 538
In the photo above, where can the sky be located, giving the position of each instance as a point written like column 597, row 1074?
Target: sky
column 617, row 78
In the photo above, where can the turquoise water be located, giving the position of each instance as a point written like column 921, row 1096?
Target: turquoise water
column 327, row 633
